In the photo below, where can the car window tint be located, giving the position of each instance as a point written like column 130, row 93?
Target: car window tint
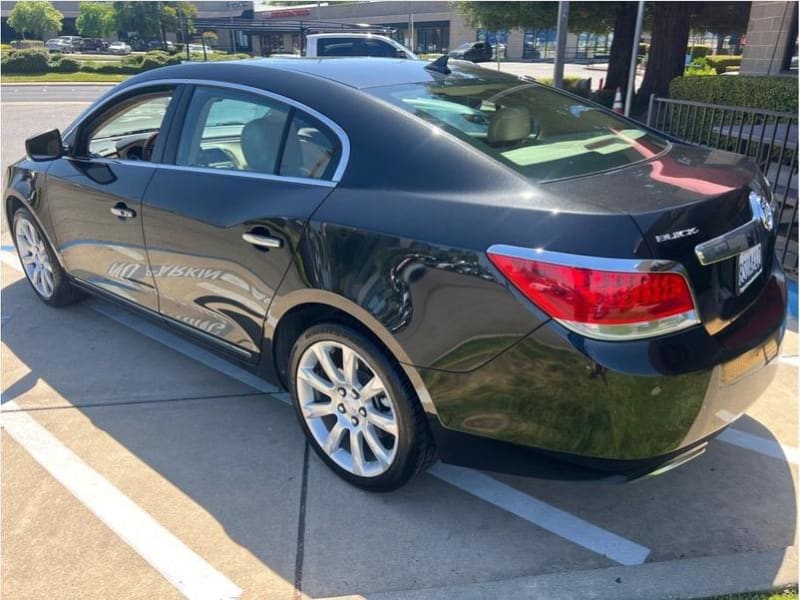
column 377, row 48
column 337, row 47
column 540, row 132
column 130, row 132
column 311, row 149
column 226, row 129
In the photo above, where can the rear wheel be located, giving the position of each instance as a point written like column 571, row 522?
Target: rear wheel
column 359, row 413
column 40, row 264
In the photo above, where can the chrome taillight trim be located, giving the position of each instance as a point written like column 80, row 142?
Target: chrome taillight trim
column 612, row 332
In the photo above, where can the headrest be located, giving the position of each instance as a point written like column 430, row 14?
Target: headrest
column 509, row 124
column 260, row 140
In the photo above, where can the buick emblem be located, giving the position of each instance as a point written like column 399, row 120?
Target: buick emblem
column 764, row 209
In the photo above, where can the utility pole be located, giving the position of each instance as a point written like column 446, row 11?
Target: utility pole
column 634, row 56
column 561, row 43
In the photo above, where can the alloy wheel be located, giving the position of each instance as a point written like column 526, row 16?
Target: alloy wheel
column 347, row 408
column 34, row 257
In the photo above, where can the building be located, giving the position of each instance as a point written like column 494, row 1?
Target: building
column 771, row 41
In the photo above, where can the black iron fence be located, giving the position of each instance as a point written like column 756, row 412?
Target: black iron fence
column 768, row 137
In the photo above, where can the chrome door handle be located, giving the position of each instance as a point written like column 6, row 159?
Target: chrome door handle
column 263, row 241
column 122, row 211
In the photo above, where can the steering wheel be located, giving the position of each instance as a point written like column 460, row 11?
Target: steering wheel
column 148, row 147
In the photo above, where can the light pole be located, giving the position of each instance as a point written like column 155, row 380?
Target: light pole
column 561, row 43
column 634, row 55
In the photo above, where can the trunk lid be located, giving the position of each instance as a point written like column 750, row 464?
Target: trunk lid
column 689, row 197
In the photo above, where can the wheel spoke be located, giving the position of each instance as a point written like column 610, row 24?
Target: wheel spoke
column 349, row 366
column 334, row 438
column 30, row 235
column 372, row 388
column 333, row 373
column 382, row 421
column 357, row 452
column 28, row 259
column 318, row 409
column 315, row 381
column 47, row 281
column 381, row 453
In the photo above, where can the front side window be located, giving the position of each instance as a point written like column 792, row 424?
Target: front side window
column 130, row 130
column 337, row 47
column 537, row 130
column 231, row 130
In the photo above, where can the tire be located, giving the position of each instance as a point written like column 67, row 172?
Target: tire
column 358, row 409
column 40, row 264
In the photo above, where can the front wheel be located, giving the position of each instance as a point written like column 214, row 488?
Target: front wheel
column 40, row 264
column 357, row 410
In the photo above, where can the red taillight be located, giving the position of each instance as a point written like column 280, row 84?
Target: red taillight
column 607, row 304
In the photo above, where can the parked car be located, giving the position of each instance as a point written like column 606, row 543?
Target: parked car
column 198, row 48
column 119, row 48
column 532, row 278
column 75, row 40
column 473, row 51
column 96, row 45
column 159, row 45
column 355, row 44
column 59, row 45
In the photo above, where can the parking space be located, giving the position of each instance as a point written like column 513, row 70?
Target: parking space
column 137, row 465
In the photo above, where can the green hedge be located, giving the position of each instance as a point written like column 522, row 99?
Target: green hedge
column 26, row 61
column 720, row 62
column 65, row 65
column 700, row 51
column 769, row 93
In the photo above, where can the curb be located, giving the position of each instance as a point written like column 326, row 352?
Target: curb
column 70, row 83
column 673, row 579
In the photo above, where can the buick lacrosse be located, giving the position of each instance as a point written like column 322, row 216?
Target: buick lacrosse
column 436, row 260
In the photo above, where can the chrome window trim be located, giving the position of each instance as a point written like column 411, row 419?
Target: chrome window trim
column 616, row 332
column 344, row 140
column 249, row 174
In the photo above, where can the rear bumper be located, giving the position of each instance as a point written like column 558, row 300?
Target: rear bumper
column 622, row 407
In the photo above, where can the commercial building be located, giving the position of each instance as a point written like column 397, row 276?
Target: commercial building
column 771, row 42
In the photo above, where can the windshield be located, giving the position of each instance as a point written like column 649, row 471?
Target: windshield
column 536, row 130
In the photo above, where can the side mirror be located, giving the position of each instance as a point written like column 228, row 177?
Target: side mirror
column 45, row 146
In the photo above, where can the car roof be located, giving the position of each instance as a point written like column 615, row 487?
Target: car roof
column 367, row 72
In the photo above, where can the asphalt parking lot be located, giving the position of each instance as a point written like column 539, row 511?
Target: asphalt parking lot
column 136, row 465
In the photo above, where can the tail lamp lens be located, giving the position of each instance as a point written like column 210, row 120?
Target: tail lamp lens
column 602, row 303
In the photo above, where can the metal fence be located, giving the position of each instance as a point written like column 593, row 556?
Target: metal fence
column 768, row 137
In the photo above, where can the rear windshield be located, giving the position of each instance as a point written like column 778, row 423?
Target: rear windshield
column 538, row 131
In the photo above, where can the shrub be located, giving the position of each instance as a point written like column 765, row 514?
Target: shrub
column 26, row 44
column 699, row 67
column 65, row 65
column 769, row 93
column 720, row 62
column 133, row 60
column 700, row 51
column 107, row 69
column 26, row 61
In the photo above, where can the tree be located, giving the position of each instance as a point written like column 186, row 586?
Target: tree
column 210, row 38
column 669, row 38
column 721, row 19
column 152, row 19
column 35, row 17
column 96, row 19
column 495, row 16
column 619, row 59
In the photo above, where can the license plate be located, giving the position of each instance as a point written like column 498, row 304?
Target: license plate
column 748, row 267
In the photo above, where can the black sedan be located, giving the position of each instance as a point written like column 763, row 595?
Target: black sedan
column 473, row 51
column 435, row 259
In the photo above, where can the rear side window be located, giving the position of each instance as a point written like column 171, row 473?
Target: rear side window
column 231, row 130
column 337, row 47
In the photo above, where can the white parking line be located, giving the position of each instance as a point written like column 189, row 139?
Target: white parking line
column 554, row 520
column 182, row 567
column 737, row 437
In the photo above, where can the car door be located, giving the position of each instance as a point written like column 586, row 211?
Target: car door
column 223, row 218
column 94, row 193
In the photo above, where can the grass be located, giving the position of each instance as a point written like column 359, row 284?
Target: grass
column 79, row 77
column 788, row 594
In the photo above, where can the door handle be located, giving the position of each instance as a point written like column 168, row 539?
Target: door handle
column 122, row 211
column 262, row 241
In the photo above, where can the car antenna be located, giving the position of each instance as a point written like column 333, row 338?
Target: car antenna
column 439, row 65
